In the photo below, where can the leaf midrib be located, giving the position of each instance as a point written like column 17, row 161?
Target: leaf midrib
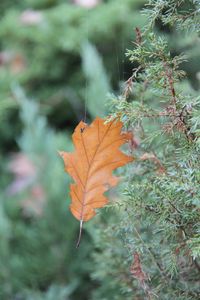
column 87, row 176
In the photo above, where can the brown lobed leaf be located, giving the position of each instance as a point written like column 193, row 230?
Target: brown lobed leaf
column 91, row 165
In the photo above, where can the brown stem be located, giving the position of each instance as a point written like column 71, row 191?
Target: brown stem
column 169, row 76
column 138, row 36
column 80, row 234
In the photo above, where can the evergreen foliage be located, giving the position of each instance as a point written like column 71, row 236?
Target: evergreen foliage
column 37, row 232
column 44, row 57
column 54, row 73
column 159, row 216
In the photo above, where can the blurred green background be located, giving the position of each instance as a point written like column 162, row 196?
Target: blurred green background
column 59, row 59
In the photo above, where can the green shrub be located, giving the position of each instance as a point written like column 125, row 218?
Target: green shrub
column 158, row 216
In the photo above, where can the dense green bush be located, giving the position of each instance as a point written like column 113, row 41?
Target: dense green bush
column 158, row 217
column 37, row 232
column 45, row 56
column 53, row 61
column 55, row 72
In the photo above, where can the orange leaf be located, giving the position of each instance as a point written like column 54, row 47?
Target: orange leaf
column 96, row 155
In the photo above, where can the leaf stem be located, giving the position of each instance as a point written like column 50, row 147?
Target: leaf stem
column 80, row 234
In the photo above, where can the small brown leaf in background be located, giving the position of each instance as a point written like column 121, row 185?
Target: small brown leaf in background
column 136, row 269
column 24, row 173
column 137, row 273
column 26, row 181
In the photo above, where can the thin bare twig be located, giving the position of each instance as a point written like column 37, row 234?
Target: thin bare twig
column 80, row 234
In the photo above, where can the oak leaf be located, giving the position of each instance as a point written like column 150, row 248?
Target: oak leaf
column 91, row 164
